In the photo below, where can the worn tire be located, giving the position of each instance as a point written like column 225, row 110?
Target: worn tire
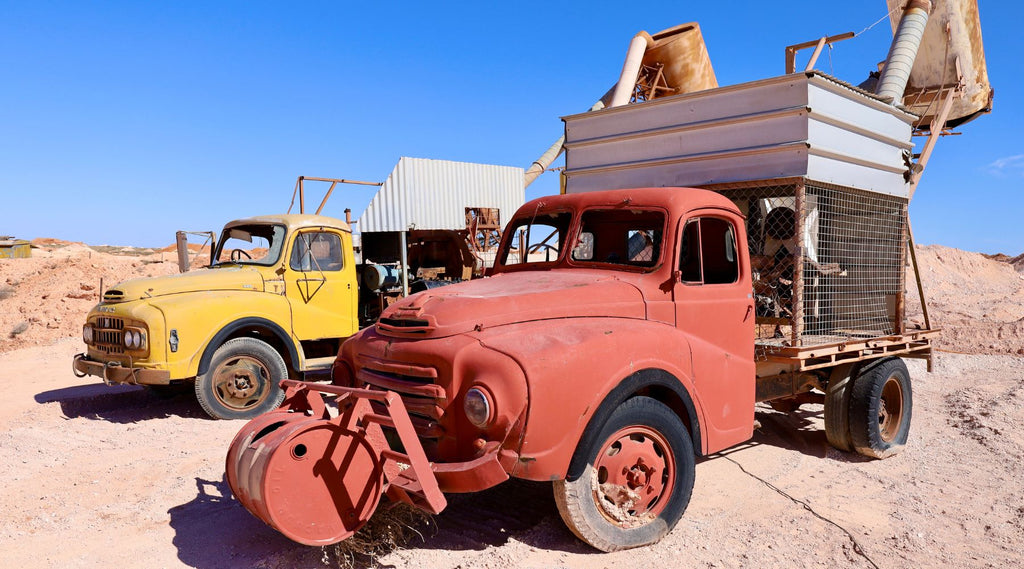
column 243, row 381
column 646, row 429
column 881, row 403
column 837, row 408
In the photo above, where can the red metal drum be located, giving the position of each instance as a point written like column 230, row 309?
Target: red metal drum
column 258, row 427
column 313, row 480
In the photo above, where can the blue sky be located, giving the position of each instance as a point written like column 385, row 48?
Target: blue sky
column 123, row 122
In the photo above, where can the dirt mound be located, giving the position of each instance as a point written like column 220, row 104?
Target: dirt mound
column 46, row 297
column 50, row 242
column 977, row 300
column 192, row 247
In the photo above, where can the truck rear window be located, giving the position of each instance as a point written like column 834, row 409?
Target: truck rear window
column 620, row 237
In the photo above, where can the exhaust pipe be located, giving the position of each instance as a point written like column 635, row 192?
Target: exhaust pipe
column 903, row 51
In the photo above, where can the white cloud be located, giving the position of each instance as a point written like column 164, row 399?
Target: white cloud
column 1011, row 165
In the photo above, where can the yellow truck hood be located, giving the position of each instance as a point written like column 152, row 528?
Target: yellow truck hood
column 228, row 278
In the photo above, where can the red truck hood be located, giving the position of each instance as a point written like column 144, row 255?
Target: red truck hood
column 509, row 298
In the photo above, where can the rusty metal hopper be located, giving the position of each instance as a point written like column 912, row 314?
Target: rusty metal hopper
column 683, row 58
column 951, row 51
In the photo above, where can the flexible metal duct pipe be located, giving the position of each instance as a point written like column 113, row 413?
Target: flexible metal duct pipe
column 630, row 69
column 617, row 96
column 541, row 164
column 903, row 51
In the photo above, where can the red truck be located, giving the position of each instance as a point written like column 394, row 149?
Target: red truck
column 620, row 335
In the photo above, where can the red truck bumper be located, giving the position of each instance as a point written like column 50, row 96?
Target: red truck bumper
column 318, row 478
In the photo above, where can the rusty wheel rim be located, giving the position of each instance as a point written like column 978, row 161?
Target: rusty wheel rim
column 890, row 409
column 634, row 474
column 241, row 382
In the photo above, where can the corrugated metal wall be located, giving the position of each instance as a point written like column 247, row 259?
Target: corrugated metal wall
column 434, row 194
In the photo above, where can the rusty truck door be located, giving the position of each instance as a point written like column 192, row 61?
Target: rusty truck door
column 714, row 308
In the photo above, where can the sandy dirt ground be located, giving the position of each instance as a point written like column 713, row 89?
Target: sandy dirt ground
column 97, row 476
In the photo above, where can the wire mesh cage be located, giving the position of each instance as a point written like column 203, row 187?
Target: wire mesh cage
column 828, row 262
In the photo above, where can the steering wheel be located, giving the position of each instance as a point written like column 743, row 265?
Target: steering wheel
column 237, row 254
column 542, row 247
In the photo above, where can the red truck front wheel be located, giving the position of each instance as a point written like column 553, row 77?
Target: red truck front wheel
column 637, row 481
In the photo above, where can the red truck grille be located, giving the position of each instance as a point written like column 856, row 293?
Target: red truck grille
column 424, row 399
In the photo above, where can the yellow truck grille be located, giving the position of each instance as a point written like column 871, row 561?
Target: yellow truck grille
column 109, row 335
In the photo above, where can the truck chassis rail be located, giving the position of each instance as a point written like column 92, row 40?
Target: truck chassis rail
column 917, row 344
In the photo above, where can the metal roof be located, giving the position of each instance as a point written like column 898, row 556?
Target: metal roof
column 422, row 193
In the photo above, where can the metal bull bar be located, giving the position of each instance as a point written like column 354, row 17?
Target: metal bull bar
column 316, row 478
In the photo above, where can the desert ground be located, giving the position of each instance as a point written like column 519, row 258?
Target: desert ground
column 98, row 476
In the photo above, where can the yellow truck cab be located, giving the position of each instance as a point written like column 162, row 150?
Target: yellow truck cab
column 278, row 298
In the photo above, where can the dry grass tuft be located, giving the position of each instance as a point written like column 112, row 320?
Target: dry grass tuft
column 389, row 529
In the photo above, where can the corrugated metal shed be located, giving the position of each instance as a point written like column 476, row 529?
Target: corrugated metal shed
column 433, row 194
column 799, row 125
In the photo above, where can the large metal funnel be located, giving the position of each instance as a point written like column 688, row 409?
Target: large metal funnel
column 684, row 57
column 950, row 47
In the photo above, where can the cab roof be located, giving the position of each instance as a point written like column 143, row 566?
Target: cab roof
column 670, row 198
column 293, row 221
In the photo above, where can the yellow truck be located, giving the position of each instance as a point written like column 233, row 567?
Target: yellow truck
column 277, row 299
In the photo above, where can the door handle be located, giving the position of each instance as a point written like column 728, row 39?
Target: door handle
column 750, row 308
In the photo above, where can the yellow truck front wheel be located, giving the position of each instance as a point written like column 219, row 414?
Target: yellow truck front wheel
column 243, row 380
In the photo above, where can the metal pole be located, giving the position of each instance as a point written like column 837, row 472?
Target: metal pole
column 323, row 203
column 934, row 131
column 792, row 50
column 917, row 273
column 814, row 56
column 797, row 297
column 405, row 263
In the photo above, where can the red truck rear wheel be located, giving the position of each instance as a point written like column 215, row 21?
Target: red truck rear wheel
column 637, row 482
column 880, row 408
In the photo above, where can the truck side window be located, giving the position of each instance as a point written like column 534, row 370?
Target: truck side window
column 707, row 253
column 689, row 252
column 718, row 250
column 316, row 251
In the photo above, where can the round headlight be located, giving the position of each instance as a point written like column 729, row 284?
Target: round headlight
column 477, row 407
column 132, row 339
column 87, row 333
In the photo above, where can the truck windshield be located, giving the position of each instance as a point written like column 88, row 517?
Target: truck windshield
column 626, row 237
column 537, row 239
column 250, row 245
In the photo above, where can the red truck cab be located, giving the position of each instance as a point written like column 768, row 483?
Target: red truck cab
column 613, row 343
